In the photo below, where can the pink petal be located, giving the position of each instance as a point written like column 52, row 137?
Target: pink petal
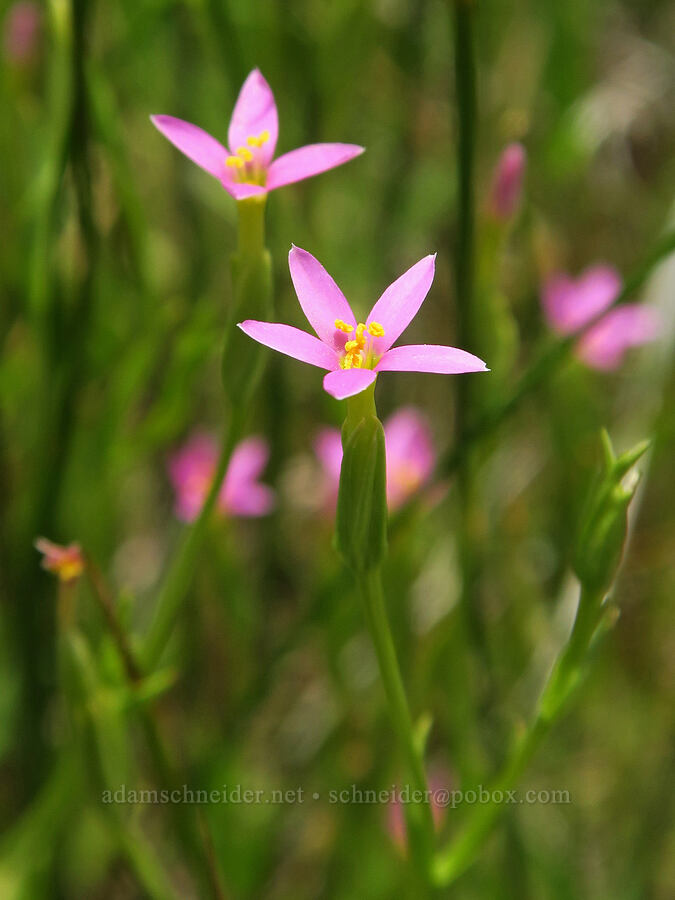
column 346, row 382
column 430, row 358
column 410, row 454
column 605, row 344
column 321, row 299
column 253, row 500
column 241, row 494
column 399, row 304
column 569, row 304
column 507, row 182
column 191, row 471
column 328, row 448
column 291, row 341
column 240, row 191
column 309, row 160
column 195, row 143
column 254, row 112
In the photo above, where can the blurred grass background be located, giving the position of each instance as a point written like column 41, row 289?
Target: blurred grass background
column 114, row 265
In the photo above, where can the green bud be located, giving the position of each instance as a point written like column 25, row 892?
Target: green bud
column 361, row 521
column 603, row 530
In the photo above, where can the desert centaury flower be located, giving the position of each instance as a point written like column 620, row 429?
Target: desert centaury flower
column 248, row 167
column 67, row 563
column 354, row 353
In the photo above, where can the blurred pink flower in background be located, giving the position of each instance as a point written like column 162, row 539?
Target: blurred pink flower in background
column 410, row 456
column 191, row 470
column 248, row 169
column 65, row 562
column 22, row 27
column 569, row 304
column 507, row 182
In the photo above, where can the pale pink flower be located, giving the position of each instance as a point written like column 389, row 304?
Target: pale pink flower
column 507, row 182
column 192, row 468
column 22, row 26
column 410, row 454
column 570, row 304
column 247, row 168
column 355, row 353
column 65, row 562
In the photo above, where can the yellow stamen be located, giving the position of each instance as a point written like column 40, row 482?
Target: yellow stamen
column 360, row 328
column 245, row 154
column 234, row 162
column 375, row 329
column 343, row 326
column 350, row 346
column 257, row 140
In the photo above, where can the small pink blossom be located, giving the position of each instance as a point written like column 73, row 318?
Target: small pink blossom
column 192, row 468
column 355, row 353
column 65, row 562
column 23, row 23
column 248, row 167
column 410, row 456
column 571, row 304
column 507, row 182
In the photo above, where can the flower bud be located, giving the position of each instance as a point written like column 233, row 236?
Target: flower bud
column 361, row 521
column 604, row 526
column 507, row 182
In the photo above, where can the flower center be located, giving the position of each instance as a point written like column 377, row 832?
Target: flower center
column 246, row 163
column 359, row 349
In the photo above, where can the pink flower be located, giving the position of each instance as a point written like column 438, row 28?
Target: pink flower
column 192, row 468
column 247, row 169
column 23, row 23
column 410, row 455
column 604, row 345
column 571, row 304
column 439, row 797
column 355, row 353
column 65, row 562
column 507, row 182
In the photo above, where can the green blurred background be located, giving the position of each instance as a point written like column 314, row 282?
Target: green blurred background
column 114, row 264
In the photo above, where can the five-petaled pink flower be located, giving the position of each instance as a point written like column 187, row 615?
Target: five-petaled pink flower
column 410, row 456
column 247, row 169
column 354, row 353
column 192, row 468
column 65, row 562
column 571, row 304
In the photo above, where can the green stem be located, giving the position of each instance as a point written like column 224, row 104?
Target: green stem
column 419, row 814
column 179, row 576
column 453, row 860
column 242, row 367
column 547, row 361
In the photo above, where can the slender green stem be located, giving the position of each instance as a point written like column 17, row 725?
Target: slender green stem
column 180, row 572
column 453, row 860
column 419, row 814
column 547, row 361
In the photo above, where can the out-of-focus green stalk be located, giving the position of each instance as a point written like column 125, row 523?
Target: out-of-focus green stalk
column 361, row 523
column 552, row 354
column 452, row 861
column 242, row 369
column 418, row 814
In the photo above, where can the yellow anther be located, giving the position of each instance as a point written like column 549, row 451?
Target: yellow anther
column 343, row 326
column 245, row 154
column 234, row 162
column 257, row 140
column 375, row 329
column 360, row 328
column 351, row 345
